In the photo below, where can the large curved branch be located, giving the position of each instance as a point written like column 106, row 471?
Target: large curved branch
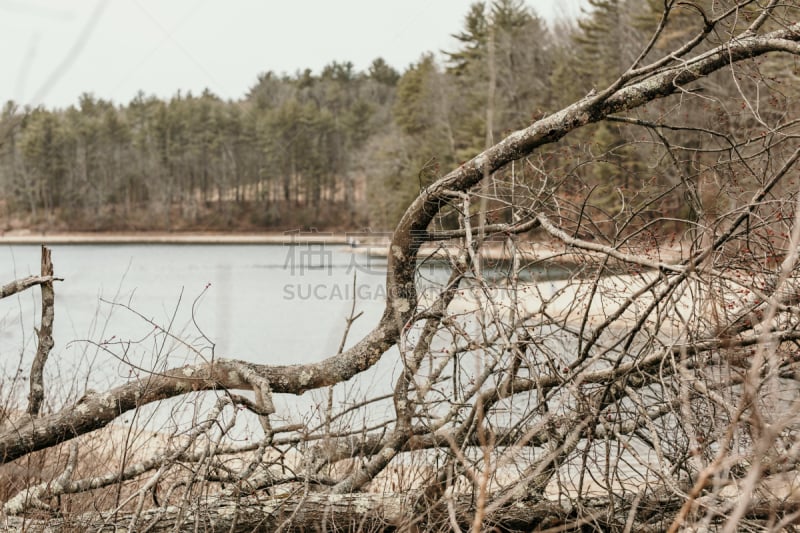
column 411, row 231
column 97, row 410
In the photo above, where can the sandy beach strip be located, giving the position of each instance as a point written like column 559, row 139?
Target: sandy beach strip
column 371, row 244
column 307, row 237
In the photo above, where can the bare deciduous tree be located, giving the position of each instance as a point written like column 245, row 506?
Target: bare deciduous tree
column 653, row 389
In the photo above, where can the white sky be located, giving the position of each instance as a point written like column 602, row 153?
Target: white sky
column 54, row 50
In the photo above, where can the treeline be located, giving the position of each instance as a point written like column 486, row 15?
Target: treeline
column 345, row 148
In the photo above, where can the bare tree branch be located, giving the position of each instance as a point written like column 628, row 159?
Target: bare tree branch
column 45, row 335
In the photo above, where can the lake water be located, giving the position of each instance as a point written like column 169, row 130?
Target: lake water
column 272, row 304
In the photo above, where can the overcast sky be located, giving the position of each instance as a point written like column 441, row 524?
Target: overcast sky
column 54, row 50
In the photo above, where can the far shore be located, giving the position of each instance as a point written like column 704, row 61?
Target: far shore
column 362, row 242
column 289, row 237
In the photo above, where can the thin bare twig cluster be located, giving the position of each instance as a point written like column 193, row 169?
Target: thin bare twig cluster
column 579, row 365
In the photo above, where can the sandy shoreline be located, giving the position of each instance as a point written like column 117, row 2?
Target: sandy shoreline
column 307, row 237
column 376, row 246
column 372, row 244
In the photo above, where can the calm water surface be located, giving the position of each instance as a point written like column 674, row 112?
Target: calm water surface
column 273, row 304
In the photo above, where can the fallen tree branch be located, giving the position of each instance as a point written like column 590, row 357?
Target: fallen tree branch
column 20, row 285
column 27, row 434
